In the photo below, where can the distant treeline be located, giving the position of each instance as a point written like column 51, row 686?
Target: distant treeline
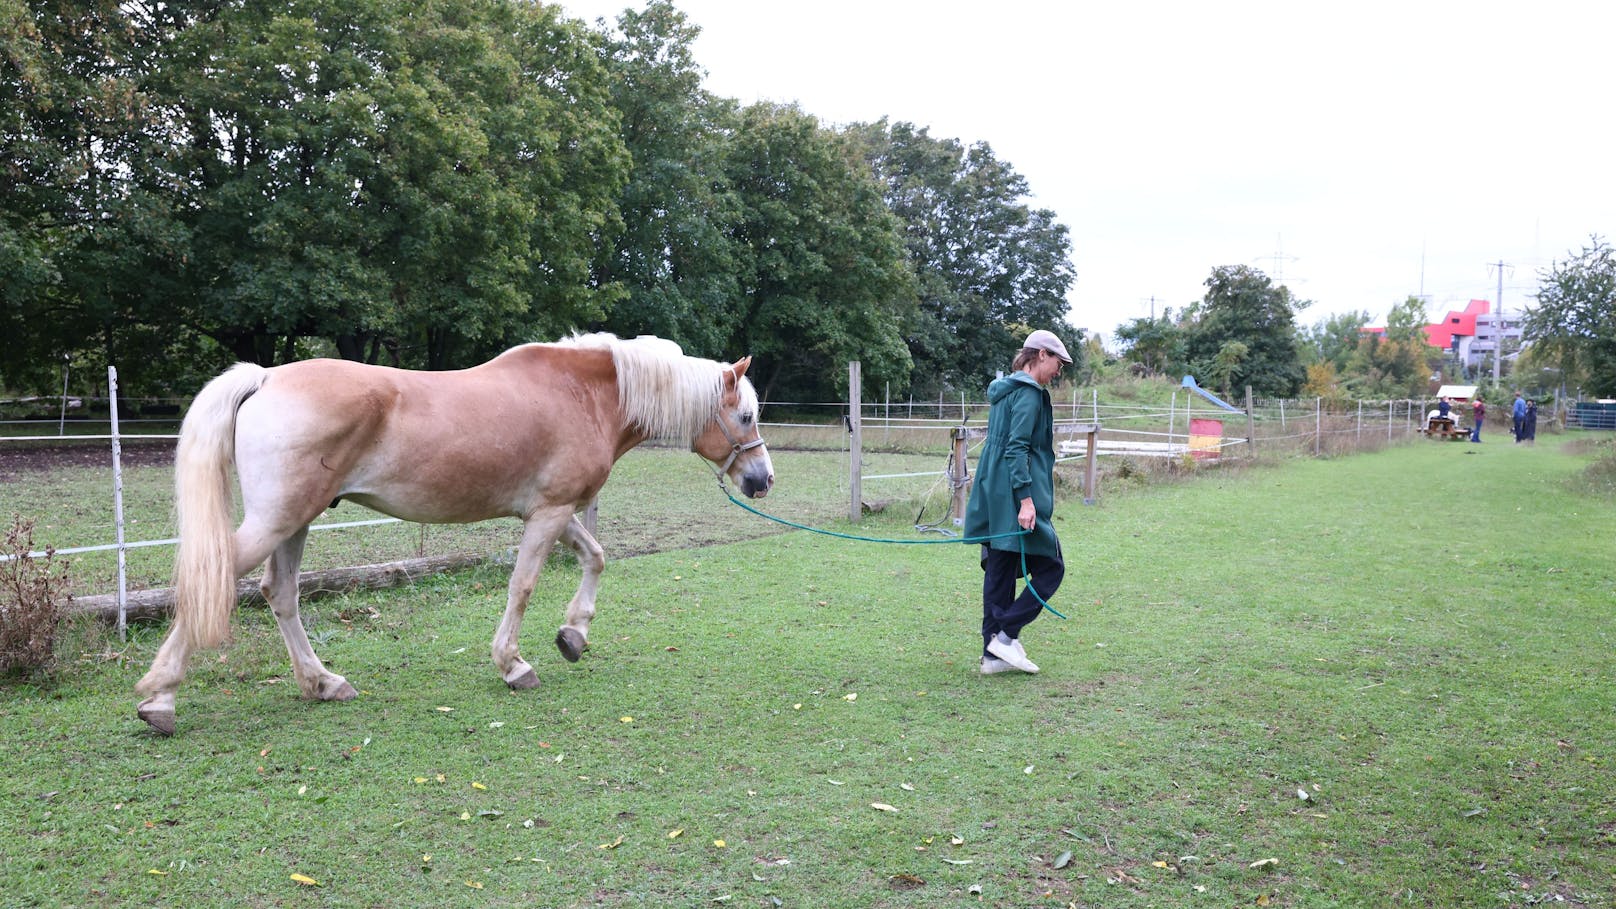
column 424, row 184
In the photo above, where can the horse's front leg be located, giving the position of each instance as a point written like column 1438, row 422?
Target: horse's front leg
column 539, row 534
column 573, row 638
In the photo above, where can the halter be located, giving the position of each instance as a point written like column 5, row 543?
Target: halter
column 736, row 449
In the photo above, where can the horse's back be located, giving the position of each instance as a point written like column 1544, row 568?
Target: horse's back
column 438, row 447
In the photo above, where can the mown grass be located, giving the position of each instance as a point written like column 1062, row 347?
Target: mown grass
column 1419, row 640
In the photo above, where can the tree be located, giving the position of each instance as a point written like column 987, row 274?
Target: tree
column 419, row 182
column 1335, row 339
column 1574, row 320
column 823, row 277
column 667, row 268
column 1156, row 344
column 988, row 268
column 1243, row 305
column 1407, row 320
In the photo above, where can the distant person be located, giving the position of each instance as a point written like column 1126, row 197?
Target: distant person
column 1443, row 408
column 1529, row 423
column 1518, row 416
column 1014, row 490
column 1478, row 412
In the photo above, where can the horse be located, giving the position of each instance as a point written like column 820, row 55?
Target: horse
column 531, row 434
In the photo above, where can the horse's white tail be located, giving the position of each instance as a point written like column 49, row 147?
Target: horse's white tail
column 205, row 566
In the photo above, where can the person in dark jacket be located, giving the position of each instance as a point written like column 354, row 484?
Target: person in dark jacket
column 1014, row 490
column 1529, row 424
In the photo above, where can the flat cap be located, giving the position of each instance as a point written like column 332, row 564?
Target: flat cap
column 1046, row 340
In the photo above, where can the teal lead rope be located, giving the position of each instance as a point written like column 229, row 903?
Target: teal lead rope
column 1020, row 536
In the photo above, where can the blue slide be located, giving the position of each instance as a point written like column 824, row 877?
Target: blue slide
column 1189, row 382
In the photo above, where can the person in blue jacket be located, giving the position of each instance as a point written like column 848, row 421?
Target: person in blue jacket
column 1014, row 490
column 1518, row 412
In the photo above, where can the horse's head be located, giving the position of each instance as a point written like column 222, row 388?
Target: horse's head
column 731, row 439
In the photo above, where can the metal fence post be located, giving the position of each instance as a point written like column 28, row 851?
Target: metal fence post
column 855, row 429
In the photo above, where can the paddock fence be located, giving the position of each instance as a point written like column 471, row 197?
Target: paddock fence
column 910, row 453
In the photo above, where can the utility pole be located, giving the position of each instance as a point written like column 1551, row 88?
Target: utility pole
column 1498, row 328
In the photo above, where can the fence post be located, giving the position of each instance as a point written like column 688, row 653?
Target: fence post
column 959, row 477
column 1318, row 426
column 1360, row 424
column 1388, row 419
column 1251, row 426
column 855, row 429
column 117, row 504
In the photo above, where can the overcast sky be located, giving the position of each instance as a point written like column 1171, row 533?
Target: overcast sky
column 1361, row 152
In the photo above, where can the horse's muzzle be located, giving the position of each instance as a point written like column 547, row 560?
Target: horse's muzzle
column 756, row 485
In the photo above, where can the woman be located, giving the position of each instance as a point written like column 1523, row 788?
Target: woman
column 1014, row 490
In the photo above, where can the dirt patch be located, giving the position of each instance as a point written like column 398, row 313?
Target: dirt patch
column 20, row 460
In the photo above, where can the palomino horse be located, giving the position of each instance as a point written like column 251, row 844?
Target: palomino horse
column 531, row 434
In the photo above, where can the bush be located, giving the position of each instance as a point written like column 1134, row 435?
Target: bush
column 33, row 595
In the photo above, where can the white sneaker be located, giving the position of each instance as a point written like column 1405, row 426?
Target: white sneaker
column 1011, row 653
column 994, row 666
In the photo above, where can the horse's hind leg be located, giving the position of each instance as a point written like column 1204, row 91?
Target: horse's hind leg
column 162, row 681
column 573, row 638
column 280, row 588
column 538, row 537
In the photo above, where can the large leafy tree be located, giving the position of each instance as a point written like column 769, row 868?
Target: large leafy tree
column 417, row 182
column 1155, row 343
column 1573, row 322
column 1243, row 331
column 820, row 260
column 668, row 267
column 424, row 183
column 87, row 245
column 1335, row 339
column 988, row 268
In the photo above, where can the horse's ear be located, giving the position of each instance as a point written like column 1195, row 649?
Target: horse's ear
column 739, row 367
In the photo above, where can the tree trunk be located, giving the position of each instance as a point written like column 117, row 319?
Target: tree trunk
column 159, row 602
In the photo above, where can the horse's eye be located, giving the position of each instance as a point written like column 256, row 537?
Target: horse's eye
column 746, row 419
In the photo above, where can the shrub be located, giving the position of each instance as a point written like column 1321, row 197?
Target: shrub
column 33, row 594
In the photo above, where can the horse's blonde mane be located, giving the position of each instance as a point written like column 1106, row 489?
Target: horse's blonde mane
column 664, row 393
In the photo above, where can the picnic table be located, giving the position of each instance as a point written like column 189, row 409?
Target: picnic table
column 1445, row 428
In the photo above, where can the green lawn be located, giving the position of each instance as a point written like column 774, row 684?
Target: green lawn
column 1419, row 640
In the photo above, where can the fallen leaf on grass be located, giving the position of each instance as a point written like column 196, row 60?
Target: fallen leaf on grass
column 157, row 872
column 477, row 785
column 1062, row 860
column 906, row 787
column 612, row 845
column 850, row 697
column 907, row 881
column 675, row 834
column 967, row 862
column 720, row 843
column 882, row 806
column 444, row 709
column 305, row 880
column 1264, row 863
column 475, row 885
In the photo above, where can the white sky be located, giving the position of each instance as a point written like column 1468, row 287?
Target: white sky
column 1362, row 152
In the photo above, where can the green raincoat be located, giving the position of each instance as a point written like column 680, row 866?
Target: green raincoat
column 1018, row 460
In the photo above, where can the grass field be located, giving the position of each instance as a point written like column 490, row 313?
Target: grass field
column 1379, row 680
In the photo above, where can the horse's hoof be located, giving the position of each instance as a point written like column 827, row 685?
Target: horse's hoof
column 528, row 679
column 571, row 644
column 160, row 720
column 343, row 692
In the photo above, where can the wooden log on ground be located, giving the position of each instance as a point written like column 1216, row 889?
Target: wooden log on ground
column 159, row 602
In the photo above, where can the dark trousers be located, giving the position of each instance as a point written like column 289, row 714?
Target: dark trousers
column 1002, row 610
column 1475, row 431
